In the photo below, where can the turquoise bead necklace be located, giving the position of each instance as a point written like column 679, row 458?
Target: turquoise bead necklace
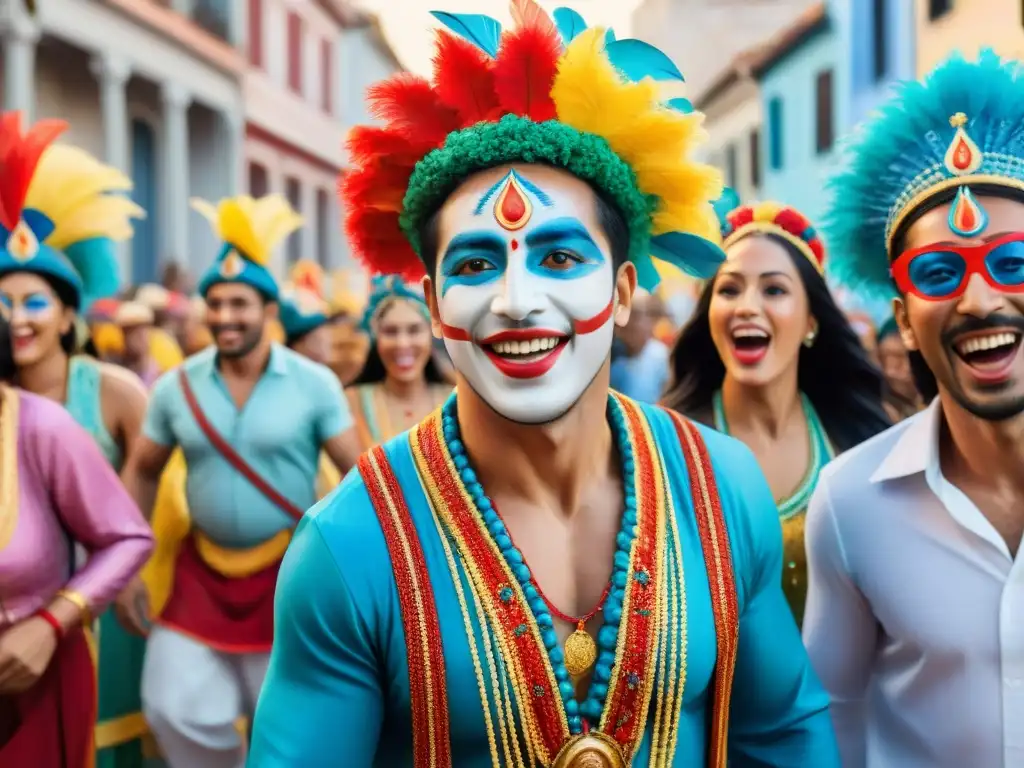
column 821, row 454
column 593, row 705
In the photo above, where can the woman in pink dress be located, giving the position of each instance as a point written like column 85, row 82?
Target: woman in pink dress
column 56, row 489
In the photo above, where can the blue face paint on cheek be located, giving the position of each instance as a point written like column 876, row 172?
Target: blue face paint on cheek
column 473, row 258
column 563, row 249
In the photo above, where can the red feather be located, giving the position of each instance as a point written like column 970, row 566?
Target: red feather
column 379, row 244
column 792, row 221
column 367, row 143
column 380, row 186
column 818, row 249
column 19, row 158
column 464, row 79
column 410, row 106
column 741, row 217
column 524, row 72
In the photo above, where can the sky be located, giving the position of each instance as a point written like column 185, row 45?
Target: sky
column 408, row 23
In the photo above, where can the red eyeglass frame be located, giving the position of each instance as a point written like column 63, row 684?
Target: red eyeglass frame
column 974, row 260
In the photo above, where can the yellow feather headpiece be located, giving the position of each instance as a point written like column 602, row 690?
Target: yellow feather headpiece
column 253, row 227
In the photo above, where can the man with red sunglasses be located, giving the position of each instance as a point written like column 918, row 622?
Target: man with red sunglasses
column 915, row 612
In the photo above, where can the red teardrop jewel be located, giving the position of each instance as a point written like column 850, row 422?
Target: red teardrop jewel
column 512, row 209
column 962, row 154
column 967, row 218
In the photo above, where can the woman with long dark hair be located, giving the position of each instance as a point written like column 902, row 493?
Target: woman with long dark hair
column 769, row 358
column 56, row 490
column 400, row 383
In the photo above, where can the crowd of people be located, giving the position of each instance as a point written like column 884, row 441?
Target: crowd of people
column 506, row 512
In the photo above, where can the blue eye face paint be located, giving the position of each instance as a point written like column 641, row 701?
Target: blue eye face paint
column 36, row 303
column 563, row 249
column 473, row 258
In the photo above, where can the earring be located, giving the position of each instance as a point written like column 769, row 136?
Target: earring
column 809, row 339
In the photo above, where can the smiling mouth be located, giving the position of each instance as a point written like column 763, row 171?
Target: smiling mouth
column 991, row 355
column 525, row 353
column 21, row 338
column 750, row 345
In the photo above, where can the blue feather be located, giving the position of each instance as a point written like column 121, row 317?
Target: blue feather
column 726, row 204
column 609, row 36
column 680, row 105
column 95, row 260
column 898, row 152
column 569, row 23
column 694, row 255
column 637, row 60
column 40, row 224
column 483, row 31
column 647, row 276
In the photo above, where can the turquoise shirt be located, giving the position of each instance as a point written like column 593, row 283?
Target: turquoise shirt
column 338, row 682
column 85, row 405
column 294, row 408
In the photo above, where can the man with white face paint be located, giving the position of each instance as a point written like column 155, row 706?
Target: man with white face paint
column 542, row 572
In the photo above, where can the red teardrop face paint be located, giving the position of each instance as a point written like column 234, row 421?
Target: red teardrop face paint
column 512, row 208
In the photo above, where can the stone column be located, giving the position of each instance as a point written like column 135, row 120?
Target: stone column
column 307, row 195
column 20, row 35
column 112, row 73
column 175, row 171
column 234, row 153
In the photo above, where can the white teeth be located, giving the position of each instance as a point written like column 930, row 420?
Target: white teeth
column 749, row 333
column 981, row 343
column 525, row 347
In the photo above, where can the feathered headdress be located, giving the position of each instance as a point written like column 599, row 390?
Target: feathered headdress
column 61, row 210
column 250, row 230
column 385, row 289
column 302, row 311
column 775, row 219
column 961, row 125
column 547, row 91
column 308, row 276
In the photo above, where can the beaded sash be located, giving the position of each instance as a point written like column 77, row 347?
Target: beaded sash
column 505, row 604
column 429, row 697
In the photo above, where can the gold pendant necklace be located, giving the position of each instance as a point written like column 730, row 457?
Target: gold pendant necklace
column 580, row 649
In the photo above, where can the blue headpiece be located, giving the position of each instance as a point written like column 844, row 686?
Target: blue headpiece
column 383, row 290
column 249, row 230
column 726, row 204
column 301, row 312
column 962, row 125
column 61, row 211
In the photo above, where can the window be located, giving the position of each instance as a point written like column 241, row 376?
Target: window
column 256, row 33
column 326, row 75
column 323, row 217
column 937, row 8
column 775, row 133
column 824, row 128
column 259, row 184
column 879, row 25
column 730, row 165
column 295, row 52
column 755, row 158
column 293, row 191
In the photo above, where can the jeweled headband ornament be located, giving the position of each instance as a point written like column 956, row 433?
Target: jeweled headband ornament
column 384, row 290
column 961, row 126
column 775, row 219
column 547, row 91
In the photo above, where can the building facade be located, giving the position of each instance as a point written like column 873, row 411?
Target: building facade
column 820, row 77
column 309, row 64
column 153, row 88
column 944, row 26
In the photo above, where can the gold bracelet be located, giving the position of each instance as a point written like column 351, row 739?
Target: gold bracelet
column 80, row 602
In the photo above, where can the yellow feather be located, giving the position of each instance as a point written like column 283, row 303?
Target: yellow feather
column 81, row 196
column 591, row 96
column 103, row 216
column 254, row 227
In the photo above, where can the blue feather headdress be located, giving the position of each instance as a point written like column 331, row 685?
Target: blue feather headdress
column 383, row 290
column 963, row 124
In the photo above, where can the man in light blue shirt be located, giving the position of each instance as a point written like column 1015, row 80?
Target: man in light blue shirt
column 251, row 418
column 641, row 370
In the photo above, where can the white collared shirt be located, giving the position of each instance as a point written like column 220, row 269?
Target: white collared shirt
column 915, row 610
